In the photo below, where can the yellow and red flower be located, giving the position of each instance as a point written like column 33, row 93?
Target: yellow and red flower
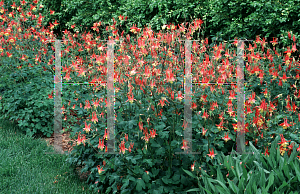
column 226, row 138
column 100, row 170
column 184, row 142
column 211, row 153
column 101, row 144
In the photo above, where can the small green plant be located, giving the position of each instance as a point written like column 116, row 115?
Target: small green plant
column 251, row 173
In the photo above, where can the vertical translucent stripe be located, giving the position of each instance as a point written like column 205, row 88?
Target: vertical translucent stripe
column 110, row 99
column 57, row 98
column 188, row 97
column 240, row 140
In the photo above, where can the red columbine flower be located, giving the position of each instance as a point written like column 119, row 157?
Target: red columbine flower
column 147, row 72
column 288, row 52
column 130, row 147
column 204, row 131
column 147, row 136
column 121, row 17
column 106, row 135
column 100, row 170
column 13, row 5
column 130, row 98
column 170, row 76
column 55, row 23
column 203, row 98
column 134, row 29
column 141, row 125
column 193, row 166
column 289, row 35
column 294, row 49
column 282, row 150
column 81, row 140
column 263, row 106
column 23, row 2
column 8, row 54
column 162, row 102
column 87, row 127
column 261, row 77
column 229, row 103
column 122, row 147
column 211, row 153
column 184, row 143
column 226, row 138
column 50, row 96
column 101, row 144
column 266, row 152
column 179, row 97
column 285, row 124
column 94, row 119
column 232, row 95
column 231, row 112
column 294, row 38
column 283, row 141
column 194, row 106
column 252, row 99
column 220, row 126
column 172, row 95
column 290, row 148
column 153, row 133
column 87, row 105
column 274, row 42
column 205, row 115
column 96, row 103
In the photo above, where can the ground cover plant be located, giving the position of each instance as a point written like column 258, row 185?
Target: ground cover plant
column 25, row 168
column 163, row 110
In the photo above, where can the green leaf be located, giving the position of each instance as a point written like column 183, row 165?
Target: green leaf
column 189, row 173
column 155, row 171
column 149, row 161
column 238, row 169
column 140, row 184
column 174, row 143
column 165, row 180
column 146, row 177
column 194, row 190
column 271, row 181
column 125, row 183
column 164, row 134
column 233, row 186
column 154, row 143
column 176, row 178
column 222, row 184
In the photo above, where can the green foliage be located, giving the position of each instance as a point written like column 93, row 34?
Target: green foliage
column 222, row 18
column 252, row 173
column 29, row 103
column 246, row 19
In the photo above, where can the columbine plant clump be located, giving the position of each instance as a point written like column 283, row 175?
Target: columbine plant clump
column 149, row 108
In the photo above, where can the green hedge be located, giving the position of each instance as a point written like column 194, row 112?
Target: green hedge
column 222, row 18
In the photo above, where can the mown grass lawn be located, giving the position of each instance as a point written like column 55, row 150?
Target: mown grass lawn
column 25, row 168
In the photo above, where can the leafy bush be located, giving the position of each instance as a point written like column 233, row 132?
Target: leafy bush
column 223, row 19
